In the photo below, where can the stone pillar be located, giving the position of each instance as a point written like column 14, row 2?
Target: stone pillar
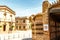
column 46, row 26
column 58, row 0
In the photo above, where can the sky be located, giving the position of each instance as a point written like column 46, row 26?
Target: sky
column 24, row 7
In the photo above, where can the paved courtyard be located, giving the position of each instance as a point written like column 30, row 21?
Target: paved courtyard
column 18, row 35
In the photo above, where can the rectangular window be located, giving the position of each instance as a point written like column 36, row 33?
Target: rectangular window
column 23, row 27
column 23, row 21
column 32, row 25
column 16, row 21
column 38, row 24
column 39, row 33
column 32, row 32
column 19, row 27
column 39, row 28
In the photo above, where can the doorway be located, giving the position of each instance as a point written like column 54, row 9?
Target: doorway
column 54, row 26
column 4, row 27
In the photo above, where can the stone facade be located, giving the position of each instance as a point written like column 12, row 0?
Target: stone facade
column 7, row 19
column 37, row 27
column 50, row 20
column 54, row 21
column 22, row 23
column 43, row 19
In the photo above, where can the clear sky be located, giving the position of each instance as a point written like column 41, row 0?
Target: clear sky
column 24, row 7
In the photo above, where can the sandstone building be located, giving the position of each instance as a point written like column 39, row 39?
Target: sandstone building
column 51, row 22
column 39, row 32
column 54, row 21
column 22, row 23
column 37, row 27
column 7, row 19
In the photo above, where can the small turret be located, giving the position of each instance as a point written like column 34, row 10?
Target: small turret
column 58, row 0
column 45, row 5
column 46, row 0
